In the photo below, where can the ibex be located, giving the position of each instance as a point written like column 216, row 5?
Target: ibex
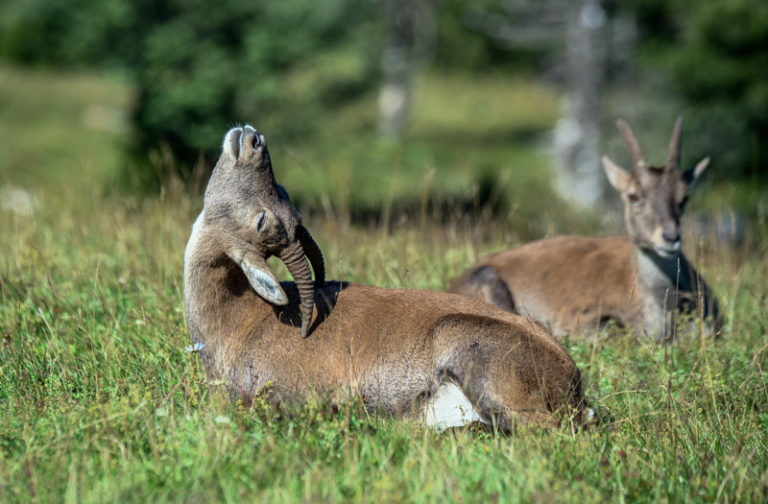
column 443, row 357
column 578, row 284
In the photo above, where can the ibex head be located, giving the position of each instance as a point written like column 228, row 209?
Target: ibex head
column 654, row 196
column 243, row 198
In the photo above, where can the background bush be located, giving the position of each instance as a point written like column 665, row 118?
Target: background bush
column 715, row 56
column 200, row 67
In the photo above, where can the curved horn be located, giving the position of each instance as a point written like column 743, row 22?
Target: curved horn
column 638, row 158
column 673, row 155
column 293, row 257
column 313, row 253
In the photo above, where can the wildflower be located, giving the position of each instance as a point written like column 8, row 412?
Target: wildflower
column 194, row 348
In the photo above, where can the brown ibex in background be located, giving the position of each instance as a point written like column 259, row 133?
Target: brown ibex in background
column 578, row 284
column 445, row 357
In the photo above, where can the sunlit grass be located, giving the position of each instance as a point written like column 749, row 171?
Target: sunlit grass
column 99, row 401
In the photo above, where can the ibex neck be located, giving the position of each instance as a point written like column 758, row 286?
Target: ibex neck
column 207, row 271
column 660, row 274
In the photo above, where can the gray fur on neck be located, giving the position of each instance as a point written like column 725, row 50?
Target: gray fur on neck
column 668, row 284
column 663, row 273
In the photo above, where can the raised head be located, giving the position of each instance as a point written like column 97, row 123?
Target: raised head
column 654, row 196
column 256, row 220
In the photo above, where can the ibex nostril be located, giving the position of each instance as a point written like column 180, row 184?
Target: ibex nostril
column 670, row 234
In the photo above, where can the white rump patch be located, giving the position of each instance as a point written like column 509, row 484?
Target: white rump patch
column 449, row 407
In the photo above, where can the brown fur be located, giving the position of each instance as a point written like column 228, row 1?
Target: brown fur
column 578, row 284
column 392, row 348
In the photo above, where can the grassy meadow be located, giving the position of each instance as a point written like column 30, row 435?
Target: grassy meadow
column 100, row 403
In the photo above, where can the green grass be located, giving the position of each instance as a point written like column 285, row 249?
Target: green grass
column 99, row 402
column 59, row 129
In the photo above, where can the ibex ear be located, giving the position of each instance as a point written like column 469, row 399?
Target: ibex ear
column 262, row 280
column 617, row 176
column 692, row 175
column 231, row 144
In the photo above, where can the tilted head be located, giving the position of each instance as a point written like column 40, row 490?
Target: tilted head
column 654, row 196
column 257, row 220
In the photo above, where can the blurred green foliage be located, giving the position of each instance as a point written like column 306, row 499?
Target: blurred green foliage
column 72, row 32
column 722, row 70
column 287, row 66
column 201, row 67
column 715, row 55
column 204, row 65
column 461, row 47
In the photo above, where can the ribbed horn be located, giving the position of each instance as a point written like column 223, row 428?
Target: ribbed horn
column 638, row 158
column 313, row 253
column 673, row 155
column 293, row 257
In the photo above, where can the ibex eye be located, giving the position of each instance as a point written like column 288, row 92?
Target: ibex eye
column 261, row 222
column 633, row 198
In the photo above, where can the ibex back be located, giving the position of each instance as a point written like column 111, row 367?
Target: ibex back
column 443, row 357
column 578, row 284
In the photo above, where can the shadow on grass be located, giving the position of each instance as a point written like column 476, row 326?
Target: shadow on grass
column 480, row 138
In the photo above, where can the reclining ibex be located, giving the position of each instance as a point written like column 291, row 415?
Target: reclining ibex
column 578, row 284
column 403, row 352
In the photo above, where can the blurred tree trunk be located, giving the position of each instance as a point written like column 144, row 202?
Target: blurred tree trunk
column 411, row 32
column 580, row 178
column 578, row 26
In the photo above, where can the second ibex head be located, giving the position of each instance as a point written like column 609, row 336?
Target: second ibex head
column 654, row 196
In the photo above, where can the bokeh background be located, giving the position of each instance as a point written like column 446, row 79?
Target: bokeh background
column 382, row 108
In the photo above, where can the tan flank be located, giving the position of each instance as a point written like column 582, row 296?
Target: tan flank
column 578, row 284
column 436, row 356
